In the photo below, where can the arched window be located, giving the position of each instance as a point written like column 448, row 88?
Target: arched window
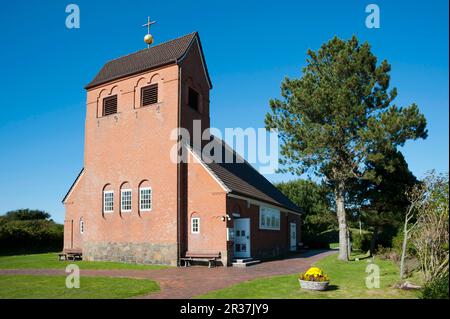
column 108, row 199
column 195, row 223
column 125, row 198
column 145, row 197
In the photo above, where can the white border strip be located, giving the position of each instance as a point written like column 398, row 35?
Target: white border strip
column 73, row 186
column 211, row 173
column 259, row 203
column 201, row 58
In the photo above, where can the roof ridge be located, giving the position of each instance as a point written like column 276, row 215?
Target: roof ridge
column 142, row 50
column 145, row 59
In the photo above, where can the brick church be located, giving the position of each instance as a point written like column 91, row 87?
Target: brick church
column 132, row 203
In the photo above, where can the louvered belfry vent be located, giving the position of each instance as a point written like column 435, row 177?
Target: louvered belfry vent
column 149, row 95
column 193, row 99
column 110, row 105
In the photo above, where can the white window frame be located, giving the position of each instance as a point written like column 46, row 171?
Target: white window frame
column 104, row 201
column 140, row 199
column 198, row 225
column 81, row 226
column 268, row 214
column 122, row 191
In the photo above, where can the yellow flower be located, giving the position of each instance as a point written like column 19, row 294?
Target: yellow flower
column 314, row 271
column 314, row 274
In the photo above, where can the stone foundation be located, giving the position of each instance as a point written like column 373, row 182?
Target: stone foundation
column 142, row 253
column 277, row 251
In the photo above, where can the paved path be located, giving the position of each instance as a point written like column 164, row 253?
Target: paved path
column 183, row 283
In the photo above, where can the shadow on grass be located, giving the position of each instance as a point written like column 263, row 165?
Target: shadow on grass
column 360, row 255
column 300, row 254
column 332, row 288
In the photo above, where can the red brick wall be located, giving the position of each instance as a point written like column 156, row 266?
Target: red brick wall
column 193, row 75
column 265, row 243
column 133, row 146
column 206, row 200
column 130, row 146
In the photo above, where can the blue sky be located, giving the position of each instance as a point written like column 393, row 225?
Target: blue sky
column 250, row 46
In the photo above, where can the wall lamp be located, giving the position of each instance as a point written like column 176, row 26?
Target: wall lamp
column 227, row 217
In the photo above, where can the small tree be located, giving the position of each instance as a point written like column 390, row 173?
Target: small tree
column 431, row 235
column 338, row 116
column 381, row 196
column 416, row 197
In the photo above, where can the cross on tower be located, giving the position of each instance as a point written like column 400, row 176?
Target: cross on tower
column 148, row 24
column 148, row 38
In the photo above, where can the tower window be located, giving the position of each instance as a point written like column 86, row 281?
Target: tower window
column 149, row 95
column 193, row 99
column 110, row 105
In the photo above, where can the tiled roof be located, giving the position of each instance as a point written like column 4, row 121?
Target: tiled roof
column 242, row 179
column 144, row 60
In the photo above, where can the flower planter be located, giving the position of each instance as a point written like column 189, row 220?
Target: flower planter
column 314, row 285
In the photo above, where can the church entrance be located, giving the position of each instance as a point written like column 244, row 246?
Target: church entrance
column 242, row 238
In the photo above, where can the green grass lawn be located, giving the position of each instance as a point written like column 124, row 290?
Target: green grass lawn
column 50, row 260
column 54, row 287
column 347, row 280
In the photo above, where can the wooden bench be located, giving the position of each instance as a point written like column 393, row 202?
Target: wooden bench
column 210, row 257
column 70, row 254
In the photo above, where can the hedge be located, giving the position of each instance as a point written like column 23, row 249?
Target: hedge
column 26, row 236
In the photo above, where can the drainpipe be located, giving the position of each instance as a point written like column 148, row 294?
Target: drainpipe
column 179, row 171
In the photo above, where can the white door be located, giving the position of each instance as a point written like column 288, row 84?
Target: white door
column 242, row 238
column 293, row 236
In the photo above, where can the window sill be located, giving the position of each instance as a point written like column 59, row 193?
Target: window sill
column 150, row 105
column 272, row 229
column 108, row 116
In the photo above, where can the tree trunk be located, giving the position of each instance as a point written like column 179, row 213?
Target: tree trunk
column 373, row 242
column 342, row 221
column 405, row 240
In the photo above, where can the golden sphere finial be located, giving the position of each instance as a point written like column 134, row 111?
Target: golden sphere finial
column 148, row 39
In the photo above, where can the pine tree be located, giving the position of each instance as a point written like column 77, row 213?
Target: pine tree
column 338, row 116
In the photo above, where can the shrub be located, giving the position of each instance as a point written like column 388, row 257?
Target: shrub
column 361, row 241
column 437, row 289
column 321, row 240
column 386, row 253
column 386, row 235
column 29, row 233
